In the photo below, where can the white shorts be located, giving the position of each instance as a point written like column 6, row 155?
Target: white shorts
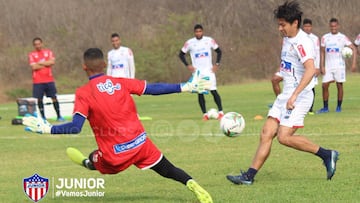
column 292, row 118
column 334, row 74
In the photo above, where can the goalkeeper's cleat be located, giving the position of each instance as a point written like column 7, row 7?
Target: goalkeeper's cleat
column 330, row 164
column 243, row 179
column 75, row 155
column 202, row 195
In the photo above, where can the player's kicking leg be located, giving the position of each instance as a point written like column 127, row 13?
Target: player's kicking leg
column 77, row 157
column 168, row 170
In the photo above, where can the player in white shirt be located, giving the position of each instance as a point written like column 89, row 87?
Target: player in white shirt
column 332, row 64
column 200, row 48
column 120, row 60
column 307, row 27
column 290, row 107
column 277, row 78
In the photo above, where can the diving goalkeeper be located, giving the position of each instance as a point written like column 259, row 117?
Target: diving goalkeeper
column 121, row 138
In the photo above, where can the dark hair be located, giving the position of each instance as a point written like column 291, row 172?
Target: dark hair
column 307, row 21
column 94, row 59
column 333, row 20
column 198, row 26
column 290, row 11
column 36, row 39
column 115, row 35
column 93, row 53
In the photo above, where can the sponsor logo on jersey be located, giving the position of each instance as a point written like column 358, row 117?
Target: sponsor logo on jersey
column 285, row 66
column 108, row 87
column 202, row 55
column 139, row 140
column 36, row 187
column 301, row 50
column 117, row 66
column 332, row 50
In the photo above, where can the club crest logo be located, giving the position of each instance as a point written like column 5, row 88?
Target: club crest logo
column 36, row 187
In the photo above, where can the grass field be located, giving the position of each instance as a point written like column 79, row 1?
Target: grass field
column 200, row 149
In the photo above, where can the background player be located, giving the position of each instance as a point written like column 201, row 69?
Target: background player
column 121, row 138
column 41, row 61
column 120, row 59
column 332, row 64
column 291, row 106
column 201, row 57
column 307, row 27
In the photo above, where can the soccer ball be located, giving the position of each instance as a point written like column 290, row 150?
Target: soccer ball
column 213, row 113
column 346, row 52
column 232, row 124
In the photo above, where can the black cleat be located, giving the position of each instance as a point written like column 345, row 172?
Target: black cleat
column 242, row 179
column 330, row 164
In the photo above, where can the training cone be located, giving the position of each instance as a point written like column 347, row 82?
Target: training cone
column 258, row 117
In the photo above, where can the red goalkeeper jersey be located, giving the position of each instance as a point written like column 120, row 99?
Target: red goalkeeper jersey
column 108, row 105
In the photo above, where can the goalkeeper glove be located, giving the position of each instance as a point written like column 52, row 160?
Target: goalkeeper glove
column 36, row 124
column 196, row 84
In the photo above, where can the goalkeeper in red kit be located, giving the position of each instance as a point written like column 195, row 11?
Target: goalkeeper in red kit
column 121, row 138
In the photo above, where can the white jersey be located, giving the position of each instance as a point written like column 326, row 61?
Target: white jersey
column 357, row 40
column 295, row 52
column 316, row 41
column 121, row 63
column 200, row 52
column 333, row 44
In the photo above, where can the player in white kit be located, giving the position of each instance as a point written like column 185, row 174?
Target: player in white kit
column 290, row 107
column 200, row 48
column 277, row 78
column 307, row 27
column 332, row 63
column 120, row 60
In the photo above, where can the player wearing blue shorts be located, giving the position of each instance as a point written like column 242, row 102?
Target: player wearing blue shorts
column 41, row 61
column 290, row 107
column 121, row 138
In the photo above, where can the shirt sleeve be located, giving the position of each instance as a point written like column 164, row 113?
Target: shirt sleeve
column 322, row 42
column 357, row 40
column 305, row 51
column 185, row 48
column 51, row 55
column 214, row 45
column 81, row 106
column 134, row 86
column 347, row 41
column 31, row 59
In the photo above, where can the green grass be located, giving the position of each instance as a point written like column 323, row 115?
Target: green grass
column 200, row 149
